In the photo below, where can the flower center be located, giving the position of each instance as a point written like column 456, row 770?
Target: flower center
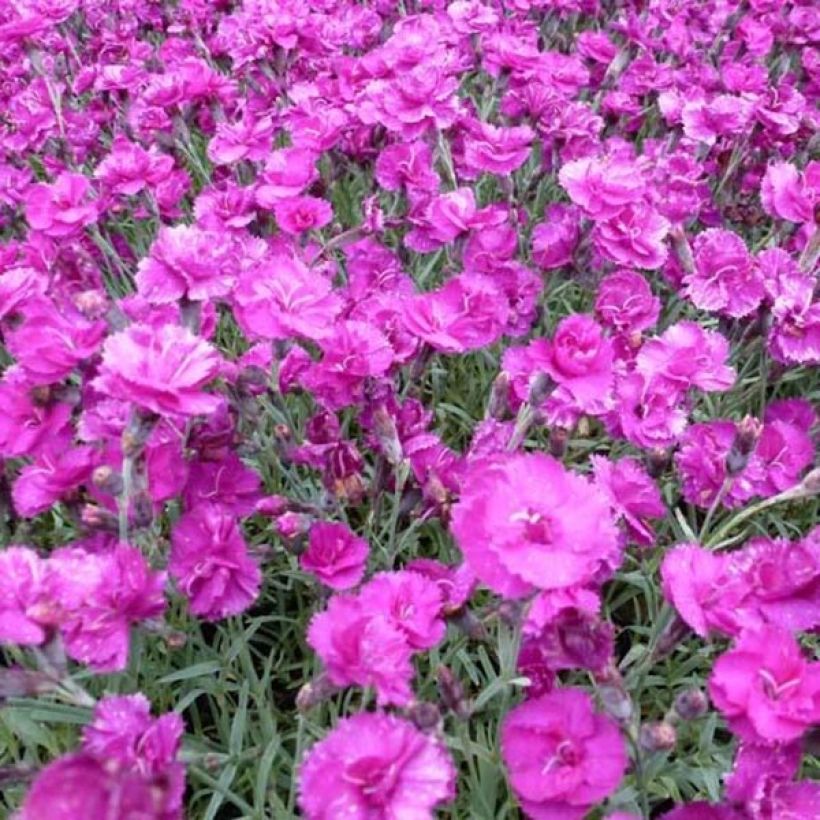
column 775, row 690
column 537, row 527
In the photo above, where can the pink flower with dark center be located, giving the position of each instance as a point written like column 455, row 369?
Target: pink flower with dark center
column 765, row 687
column 375, row 766
column 227, row 482
column 648, row 413
column 298, row 214
column 561, row 756
column 335, row 556
column 209, row 560
column 186, row 261
column 725, row 279
column 633, row 237
column 62, row 208
column 162, row 370
column 524, row 523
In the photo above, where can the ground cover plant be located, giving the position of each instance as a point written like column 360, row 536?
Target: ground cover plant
column 408, row 409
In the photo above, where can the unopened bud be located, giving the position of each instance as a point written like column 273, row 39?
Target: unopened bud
column 136, row 434
column 451, row 693
column 691, row 704
column 41, row 394
column 175, row 639
column 425, row 716
column 91, row 303
column 559, row 437
column 384, row 426
column 107, row 480
column 466, row 620
column 16, row 682
column 674, row 632
column 683, row 250
column 616, row 701
column 747, row 434
column 658, row 737
column 313, row 693
column 540, row 389
column 97, row 518
column 657, row 461
column 499, row 406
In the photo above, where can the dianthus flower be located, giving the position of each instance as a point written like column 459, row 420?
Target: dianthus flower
column 764, row 686
column 162, row 370
column 21, row 573
column 633, row 237
column 562, row 757
column 787, row 194
column 625, row 302
column 494, row 150
column 375, row 766
column 524, row 523
column 128, row 168
column 209, row 560
column 62, row 208
column 51, row 477
column 554, row 241
column 334, row 555
column 603, row 187
column 407, row 165
column 287, row 172
column 186, row 261
column 298, row 214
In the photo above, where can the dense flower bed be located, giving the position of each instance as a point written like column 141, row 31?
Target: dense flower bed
column 409, row 408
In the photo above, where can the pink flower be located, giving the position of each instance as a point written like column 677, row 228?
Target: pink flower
column 128, row 168
column 766, row 688
column 625, row 302
column 407, row 165
column 494, row 150
column 249, row 139
column 441, row 219
column 62, row 208
column 699, row 810
column 685, row 356
column 126, row 768
column 787, row 194
column 411, row 602
column 523, row 523
column 209, row 560
column 634, row 236
column 51, row 477
column 334, row 555
column 160, row 369
column 725, row 278
column 759, row 767
column 634, row 496
column 355, row 352
column 785, row 448
column 21, row 572
column 288, row 172
column 555, row 239
column 226, row 482
column 725, row 115
column 363, row 648
column 227, row 208
column 562, row 757
column 101, row 595
column 456, row 584
column 467, row 313
column 186, row 261
column 28, row 427
column 603, row 187
column 298, row 214
column 375, row 766
column 648, row 412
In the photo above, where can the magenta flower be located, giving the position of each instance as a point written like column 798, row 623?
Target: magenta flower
column 633, row 237
column 28, row 427
column 283, row 299
column 407, row 165
column 298, row 214
column 375, row 766
column 648, row 413
column 51, row 477
column 602, row 187
column 335, row 556
column 62, row 208
column 467, row 313
column 162, row 370
column 625, row 302
column 129, row 168
column 288, row 171
column 724, row 115
column 766, row 688
column 209, row 560
column 186, row 261
column 725, row 279
column 634, row 496
column 101, row 595
column 21, row 573
column 363, row 648
column 523, row 523
column 249, row 139
column 787, row 194
column 494, row 150
column 554, row 241
column 411, row 602
column 226, row 482
column 562, row 757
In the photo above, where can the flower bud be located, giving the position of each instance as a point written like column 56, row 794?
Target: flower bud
column 657, row 461
column 498, row 406
column 451, row 693
column 97, row 518
column 672, row 635
column 747, row 434
column 313, row 693
column 107, row 480
column 616, row 701
column 658, row 737
column 384, row 426
column 540, row 389
column 691, row 704
column 425, row 716
column 558, row 439
column 466, row 620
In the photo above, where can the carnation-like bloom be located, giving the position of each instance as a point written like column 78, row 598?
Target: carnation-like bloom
column 494, row 150
column 210, row 562
column 787, row 194
column 334, row 555
column 554, row 241
column 725, row 279
column 186, row 261
column 602, row 187
column 562, row 757
column 633, row 237
column 288, row 171
column 378, row 767
column 766, row 688
column 298, row 214
column 161, row 369
column 129, row 168
column 625, row 302
column 62, row 208
column 21, row 572
column 524, row 522
column 51, row 477
column 126, row 768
